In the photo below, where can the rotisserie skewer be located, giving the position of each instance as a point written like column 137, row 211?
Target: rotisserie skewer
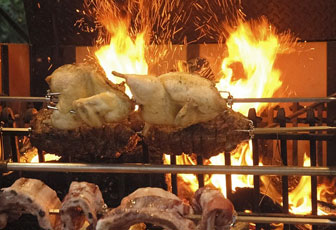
column 27, row 131
column 185, row 169
column 229, row 99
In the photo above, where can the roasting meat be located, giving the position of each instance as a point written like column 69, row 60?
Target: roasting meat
column 28, row 196
column 175, row 99
column 217, row 212
column 84, row 201
column 206, row 138
column 93, row 98
column 148, row 205
column 85, row 144
column 184, row 113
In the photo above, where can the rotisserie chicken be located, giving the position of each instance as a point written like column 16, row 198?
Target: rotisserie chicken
column 175, row 99
column 86, row 96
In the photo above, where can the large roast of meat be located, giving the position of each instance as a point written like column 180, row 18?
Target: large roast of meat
column 178, row 113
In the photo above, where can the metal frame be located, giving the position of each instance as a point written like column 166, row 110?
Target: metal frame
column 313, row 134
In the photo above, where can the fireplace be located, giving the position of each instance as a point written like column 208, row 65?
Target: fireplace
column 308, row 92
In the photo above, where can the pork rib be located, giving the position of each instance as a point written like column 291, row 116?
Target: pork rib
column 84, row 201
column 28, row 196
column 149, row 205
column 217, row 212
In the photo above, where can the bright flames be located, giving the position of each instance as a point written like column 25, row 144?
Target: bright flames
column 253, row 47
column 123, row 54
column 252, row 50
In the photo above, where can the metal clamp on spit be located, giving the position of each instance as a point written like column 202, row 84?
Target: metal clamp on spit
column 52, row 99
column 229, row 99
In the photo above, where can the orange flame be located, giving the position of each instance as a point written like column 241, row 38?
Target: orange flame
column 252, row 47
column 123, row 54
column 47, row 157
column 252, row 50
column 326, row 192
column 299, row 198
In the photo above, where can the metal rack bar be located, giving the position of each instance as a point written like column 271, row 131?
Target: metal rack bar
column 255, row 131
column 230, row 99
column 296, row 136
column 286, row 129
column 287, row 219
column 173, row 175
column 282, row 99
column 15, row 131
column 281, row 118
column 302, row 111
column 188, row 169
column 24, row 99
column 200, row 177
column 228, row 178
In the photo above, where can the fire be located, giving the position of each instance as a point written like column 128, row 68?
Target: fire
column 326, row 193
column 241, row 156
column 248, row 71
column 188, row 179
column 299, row 198
column 123, row 54
column 252, row 50
column 252, row 47
column 47, row 157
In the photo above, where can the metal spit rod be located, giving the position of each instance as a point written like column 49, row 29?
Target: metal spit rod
column 281, row 99
column 285, row 220
column 230, row 99
column 148, row 168
column 25, row 99
column 263, row 219
column 287, row 129
column 5, row 130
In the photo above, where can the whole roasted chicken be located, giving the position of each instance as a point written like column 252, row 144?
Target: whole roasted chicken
column 175, row 99
column 86, row 96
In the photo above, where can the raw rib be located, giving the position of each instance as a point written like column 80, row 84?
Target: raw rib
column 84, row 201
column 217, row 212
column 28, row 196
column 148, row 205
